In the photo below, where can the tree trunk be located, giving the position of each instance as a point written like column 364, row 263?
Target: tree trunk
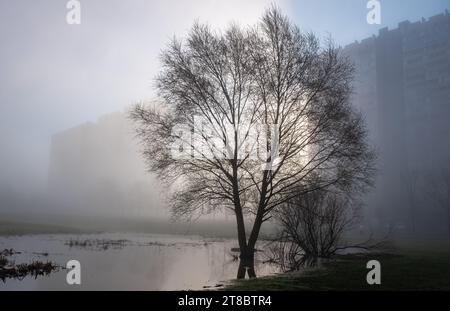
column 244, row 259
column 242, row 239
column 247, row 250
column 247, row 257
column 246, row 264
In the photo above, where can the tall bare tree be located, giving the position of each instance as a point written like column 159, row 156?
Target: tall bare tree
column 236, row 81
column 312, row 227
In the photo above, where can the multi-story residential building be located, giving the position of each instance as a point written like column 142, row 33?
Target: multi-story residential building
column 96, row 168
column 402, row 88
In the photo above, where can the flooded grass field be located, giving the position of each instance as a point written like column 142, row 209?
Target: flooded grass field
column 126, row 261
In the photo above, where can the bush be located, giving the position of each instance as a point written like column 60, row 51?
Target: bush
column 312, row 227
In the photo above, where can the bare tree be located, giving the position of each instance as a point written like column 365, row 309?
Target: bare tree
column 236, row 81
column 313, row 226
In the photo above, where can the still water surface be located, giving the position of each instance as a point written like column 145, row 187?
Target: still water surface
column 128, row 261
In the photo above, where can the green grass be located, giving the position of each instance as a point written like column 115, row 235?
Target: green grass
column 402, row 270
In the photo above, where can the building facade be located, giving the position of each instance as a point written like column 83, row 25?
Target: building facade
column 96, row 168
column 402, row 88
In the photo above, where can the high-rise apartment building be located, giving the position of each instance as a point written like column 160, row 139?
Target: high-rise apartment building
column 402, row 88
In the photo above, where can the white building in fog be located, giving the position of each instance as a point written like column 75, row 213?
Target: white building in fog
column 97, row 168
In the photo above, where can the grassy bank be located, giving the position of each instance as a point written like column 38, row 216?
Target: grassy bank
column 401, row 270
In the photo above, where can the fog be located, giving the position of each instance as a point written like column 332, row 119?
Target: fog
column 65, row 90
column 56, row 76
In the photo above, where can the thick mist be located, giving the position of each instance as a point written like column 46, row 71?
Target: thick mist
column 56, row 78
column 67, row 149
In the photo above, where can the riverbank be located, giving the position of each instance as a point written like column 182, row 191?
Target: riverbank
column 403, row 269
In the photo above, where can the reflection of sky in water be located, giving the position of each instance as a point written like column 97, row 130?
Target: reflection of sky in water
column 145, row 262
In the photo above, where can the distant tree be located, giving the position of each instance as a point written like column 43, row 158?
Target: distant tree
column 411, row 180
column 438, row 185
column 235, row 81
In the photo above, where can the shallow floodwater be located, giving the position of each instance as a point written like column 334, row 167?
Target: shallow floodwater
column 128, row 261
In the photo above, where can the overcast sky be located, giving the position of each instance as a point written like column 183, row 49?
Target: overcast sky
column 54, row 76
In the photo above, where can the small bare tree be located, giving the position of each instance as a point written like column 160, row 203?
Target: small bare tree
column 312, row 227
column 237, row 80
